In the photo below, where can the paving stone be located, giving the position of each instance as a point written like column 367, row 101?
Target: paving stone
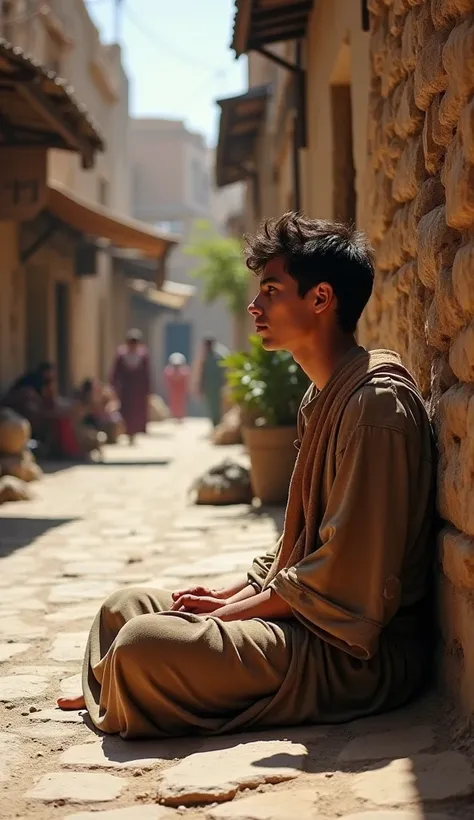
column 114, row 753
column 14, row 597
column 77, row 787
column 270, row 806
column 397, row 814
column 58, row 716
column 16, row 687
column 393, row 744
column 218, row 774
column 81, row 591
column 15, row 629
column 8, row 650
column 10, row 754
column 46, row 731
column 39, row 669
column 69, row 646
column 74, row 612
column 92, row 569
column 133, row 813
column 213, row 565
column 421, row 777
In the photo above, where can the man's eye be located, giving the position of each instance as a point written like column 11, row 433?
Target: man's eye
column 271, row 289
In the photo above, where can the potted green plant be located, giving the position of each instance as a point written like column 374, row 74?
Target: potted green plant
column 268, row 388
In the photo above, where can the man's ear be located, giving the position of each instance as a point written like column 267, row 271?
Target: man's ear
column 323, row 297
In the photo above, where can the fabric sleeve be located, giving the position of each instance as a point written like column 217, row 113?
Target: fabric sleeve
column 349, row 588
column 258, row 572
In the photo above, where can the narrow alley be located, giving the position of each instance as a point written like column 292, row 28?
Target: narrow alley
column 129, row 521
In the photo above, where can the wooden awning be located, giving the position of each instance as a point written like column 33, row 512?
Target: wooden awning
column 240, row 121
column 259, row 23
column 94, row 220
column 38, row 108
column 172, row 296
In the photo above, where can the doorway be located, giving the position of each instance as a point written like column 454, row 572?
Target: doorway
column 61, row 296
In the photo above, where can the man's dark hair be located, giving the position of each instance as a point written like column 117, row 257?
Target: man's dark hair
column 315, row 251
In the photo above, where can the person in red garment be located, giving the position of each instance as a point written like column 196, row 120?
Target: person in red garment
column 131, row 381
column 177, row 375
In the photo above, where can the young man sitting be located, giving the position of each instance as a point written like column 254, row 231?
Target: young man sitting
column 331, row 624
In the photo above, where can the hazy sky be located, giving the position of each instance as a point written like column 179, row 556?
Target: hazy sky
column 177, row 56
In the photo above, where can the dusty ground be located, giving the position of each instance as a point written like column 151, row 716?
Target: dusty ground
column 94, row 528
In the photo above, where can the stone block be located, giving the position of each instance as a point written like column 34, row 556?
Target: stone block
column 463, row 277
column 437, row 777
column 390, row 152
column 466, row 131
column 433, row 151
column 405, row 277
column 410, row 41
column 390, row 255
column 410, row 172
column 396, row 18
column 442, row 377
column 458, row 179
column 424, row 23
column 429, row 197
column 445, row 13
column 437, row 246
column 217, row 775
column 448, row 318
column 408, row 119
column 461, row 355
column 430, row 75
column 378, row 46
column 393, row 68
column 382, row 207
column 458, row 62
column 457, row 616
column 457, row 557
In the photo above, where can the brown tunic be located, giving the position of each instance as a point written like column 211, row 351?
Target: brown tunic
column 353, row 563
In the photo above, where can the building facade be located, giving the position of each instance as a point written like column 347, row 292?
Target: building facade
column 71, row 302
column 172, row 189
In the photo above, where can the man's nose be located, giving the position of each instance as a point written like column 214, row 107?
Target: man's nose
column 254, row 308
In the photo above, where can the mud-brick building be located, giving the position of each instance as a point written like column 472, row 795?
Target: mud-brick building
column 420, row 217
column 365, row 111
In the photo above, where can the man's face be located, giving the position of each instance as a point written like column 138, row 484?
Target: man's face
column 283, row 320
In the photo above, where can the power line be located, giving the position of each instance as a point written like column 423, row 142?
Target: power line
column 157, row 41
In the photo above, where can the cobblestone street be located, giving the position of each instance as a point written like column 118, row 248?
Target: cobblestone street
column 92, row 529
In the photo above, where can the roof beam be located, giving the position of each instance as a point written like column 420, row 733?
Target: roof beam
column 296, row 69
column 54, row 118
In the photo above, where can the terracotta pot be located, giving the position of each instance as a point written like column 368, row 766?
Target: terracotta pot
column 272, row 459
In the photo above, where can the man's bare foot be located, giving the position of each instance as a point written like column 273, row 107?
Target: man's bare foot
column 71, row 704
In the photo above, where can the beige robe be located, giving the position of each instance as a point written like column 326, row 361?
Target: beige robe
column 354, row 564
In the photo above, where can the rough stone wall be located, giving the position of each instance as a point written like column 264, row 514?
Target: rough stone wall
column 420, row 190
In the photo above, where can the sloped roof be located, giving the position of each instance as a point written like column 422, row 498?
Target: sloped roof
column 39, row 108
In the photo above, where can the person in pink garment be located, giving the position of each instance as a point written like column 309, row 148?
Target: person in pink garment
column 131, row 381
column 177, row 375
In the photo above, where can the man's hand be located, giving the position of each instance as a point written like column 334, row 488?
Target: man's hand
column 199, row 591
column 198, row 604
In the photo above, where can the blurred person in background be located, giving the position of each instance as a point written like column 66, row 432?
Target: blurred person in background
column 131, row 381
column 211, row 379
column 177, row 375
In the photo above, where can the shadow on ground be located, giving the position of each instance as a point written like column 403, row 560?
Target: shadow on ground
column 53, row 467
column 30, row 529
